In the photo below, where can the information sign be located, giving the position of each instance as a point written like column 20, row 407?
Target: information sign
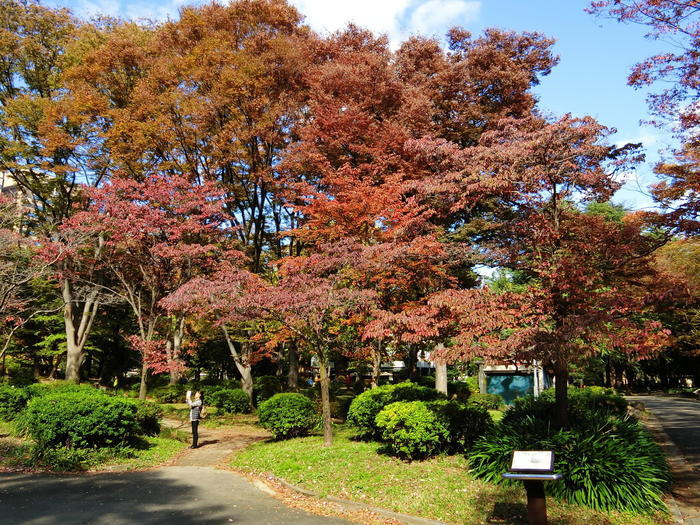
column 532, row 461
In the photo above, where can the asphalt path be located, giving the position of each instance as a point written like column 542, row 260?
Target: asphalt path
column 179, row 495
column 680, row 419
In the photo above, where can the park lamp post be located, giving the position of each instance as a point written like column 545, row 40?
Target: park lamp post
column 533, row 468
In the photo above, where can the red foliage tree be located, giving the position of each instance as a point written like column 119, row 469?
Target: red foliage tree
column 677, row 102
column 156, row 235
column 589, row 278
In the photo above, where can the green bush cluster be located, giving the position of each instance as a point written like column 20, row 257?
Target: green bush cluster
column 365, row 407
column 231, row 401
column 264, row 387
column 411, row 430
column 487, row 401
column 148, row 416
column 170, row 393
column 12, row 401
column 607, row 460
column 459, row 391
column 78, row 420
column 583, row 405
column 288, row 415
column 419, row 429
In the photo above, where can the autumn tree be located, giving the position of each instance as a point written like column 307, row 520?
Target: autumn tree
column 588, row 277
column 226, row 299
column 215, row 98
column 50, row 150
column 156, row 234
column 20, row 267
column 676, row 71
column 315, row 302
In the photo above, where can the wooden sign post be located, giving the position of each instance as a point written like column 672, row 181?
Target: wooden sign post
column 533, row 468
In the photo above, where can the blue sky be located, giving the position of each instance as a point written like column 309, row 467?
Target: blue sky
column 591, row 78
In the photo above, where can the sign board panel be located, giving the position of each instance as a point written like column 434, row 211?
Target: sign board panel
column 532, row 461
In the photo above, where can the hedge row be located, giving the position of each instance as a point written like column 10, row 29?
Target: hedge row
column 77, row 416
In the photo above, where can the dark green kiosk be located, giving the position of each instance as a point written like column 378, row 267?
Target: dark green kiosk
column 533, row 468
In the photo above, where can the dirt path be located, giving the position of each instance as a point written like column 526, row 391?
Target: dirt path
column 215, row 444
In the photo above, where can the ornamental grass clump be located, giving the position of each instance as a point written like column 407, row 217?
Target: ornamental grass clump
column 607, row 462
column 288, row 415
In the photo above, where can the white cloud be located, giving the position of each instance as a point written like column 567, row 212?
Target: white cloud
column 396, row 18
column 432, row 18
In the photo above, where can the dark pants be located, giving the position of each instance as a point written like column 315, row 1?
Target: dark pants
column 195, row 435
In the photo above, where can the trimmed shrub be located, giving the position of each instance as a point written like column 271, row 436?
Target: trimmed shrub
column 412, row 430
column 584, row 404
column 426, row 381
column 62, row 387
column 473, row 384
column 148, row 417
column 466, row 423
column 264, row 387
column 458, row 390
column 365, row 407
column 419, row 429
column 12, row 401
column 170, row 393
column 77, row 420
column 288, row 415
column 233, row 401
column 487, row 401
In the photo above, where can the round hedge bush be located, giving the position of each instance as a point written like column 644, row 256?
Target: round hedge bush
column 487, row 401
column 232, row 401
column 365, row 407
column 466, row 423
column 12, row 401
column 61, row 387
column 419, row 429
column 78, row 420
column 288, row 415
column 412, row 430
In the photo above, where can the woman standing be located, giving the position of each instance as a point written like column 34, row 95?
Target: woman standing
column 195, row 414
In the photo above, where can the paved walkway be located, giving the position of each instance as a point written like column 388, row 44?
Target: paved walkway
column 169, row 495
column 191, row 490
column 676, row 423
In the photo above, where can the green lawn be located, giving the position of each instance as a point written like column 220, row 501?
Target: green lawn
column 439, row 488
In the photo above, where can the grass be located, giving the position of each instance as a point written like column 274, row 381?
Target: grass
column 17, row 453
column 439, row 488
column 213, row 419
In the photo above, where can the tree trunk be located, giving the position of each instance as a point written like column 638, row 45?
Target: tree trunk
column 441, row 376
column 144, row 377
column 242, row 365
column 325, row 400
column 76, row 333
column 293, row 374
column 412, row 362
column 178, row 336
column 376, row 364
column 561, row 380
column 247, row 381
